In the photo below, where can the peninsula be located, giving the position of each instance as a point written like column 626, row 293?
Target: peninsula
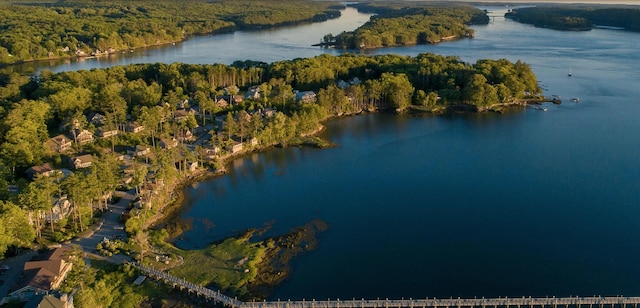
column 72, row 139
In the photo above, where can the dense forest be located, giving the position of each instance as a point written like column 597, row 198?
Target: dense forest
column 408, row 24
column 171, row 100
column 46, row 29
column 577, row 17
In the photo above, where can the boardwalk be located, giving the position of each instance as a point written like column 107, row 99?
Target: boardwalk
column 503, row 302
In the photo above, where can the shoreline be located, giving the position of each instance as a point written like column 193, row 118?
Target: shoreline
column 224, row 30
column 275, row 267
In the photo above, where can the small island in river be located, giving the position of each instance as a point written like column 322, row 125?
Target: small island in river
column 408, row 24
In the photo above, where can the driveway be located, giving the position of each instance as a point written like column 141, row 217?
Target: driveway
column 16, row 264
column 110, row 226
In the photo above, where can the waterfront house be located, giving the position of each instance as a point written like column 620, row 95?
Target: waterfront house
column 211, row 153
column 80, row 162
column 253, row 141
column 59, row 143
column 236, row 147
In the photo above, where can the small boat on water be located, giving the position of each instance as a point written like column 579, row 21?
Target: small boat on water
column 570, row 72
column 544, row 109
column 575, row 100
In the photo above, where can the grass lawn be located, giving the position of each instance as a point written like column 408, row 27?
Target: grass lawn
column 230, row 265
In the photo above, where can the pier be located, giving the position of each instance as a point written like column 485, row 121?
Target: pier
column 500, row 302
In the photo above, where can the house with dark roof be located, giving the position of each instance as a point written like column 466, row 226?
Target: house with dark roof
column 133, row 127
column 59, row 143
column 181, row 115
column 42, row 276
column 44, row 170
column 80, row 162
column 96, row 118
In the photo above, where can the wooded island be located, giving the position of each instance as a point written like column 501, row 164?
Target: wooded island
column 399, row 24
column 578, row 17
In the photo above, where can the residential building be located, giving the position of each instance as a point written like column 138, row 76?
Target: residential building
column 222, row 103
column 44, row 170
column 252, row 92
column 139, row 150
column 104, row 132
column 82, row 161
column 82, row 136
column 44, row 275
column 60, row 210
column 236, row 147
column 168, row 143
column 59, row 143
column 305, row 96
column 50, row 301
column 133, row 127
column 96, row 118
column 181, row 115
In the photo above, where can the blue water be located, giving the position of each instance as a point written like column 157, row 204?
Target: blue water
column 518, row 204
column 526, row 203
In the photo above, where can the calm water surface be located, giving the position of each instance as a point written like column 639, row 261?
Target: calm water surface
column 524, row 203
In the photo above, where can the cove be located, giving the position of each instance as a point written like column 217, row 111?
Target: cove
column 527, row 203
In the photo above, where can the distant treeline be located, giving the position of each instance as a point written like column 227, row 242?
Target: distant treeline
column 577, row 18
column 41, row 30
column 409, row 23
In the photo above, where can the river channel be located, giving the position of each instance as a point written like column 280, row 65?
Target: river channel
column 526, row 203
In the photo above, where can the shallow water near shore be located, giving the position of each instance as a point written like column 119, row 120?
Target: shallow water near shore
column 516, row 204
column 526, row 203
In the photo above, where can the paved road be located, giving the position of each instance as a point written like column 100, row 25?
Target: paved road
column 16, row 264
column 110, row 227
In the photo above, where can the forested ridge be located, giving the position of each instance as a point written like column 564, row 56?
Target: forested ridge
column 577, row 17
column 41, row 30
column 409, row 23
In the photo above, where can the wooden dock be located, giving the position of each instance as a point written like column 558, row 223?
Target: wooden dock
column 500, row 302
